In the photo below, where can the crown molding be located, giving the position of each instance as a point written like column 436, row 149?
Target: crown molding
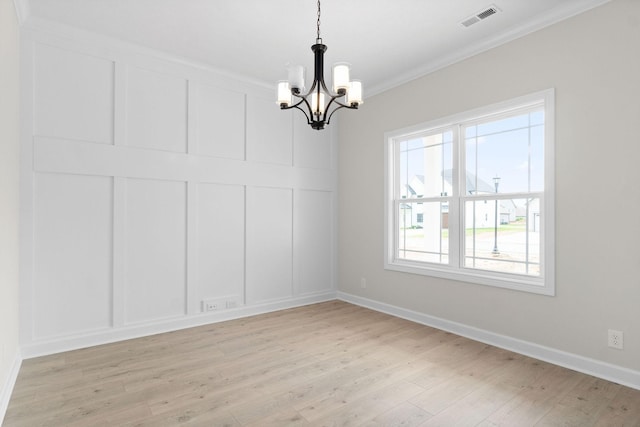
column 551, row 17
column 557, row 14
column 22, row 10
column 91, row 40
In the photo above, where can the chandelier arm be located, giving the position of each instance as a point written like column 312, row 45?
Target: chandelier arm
column 328, row 107
column 288, row 107
column 306, row 115
column 351, row 107
column 297, row 107
column 334, row 110
column 327, row 91
column 310, row 115
column 303, row 100
column 340, row 106
column 311, row 90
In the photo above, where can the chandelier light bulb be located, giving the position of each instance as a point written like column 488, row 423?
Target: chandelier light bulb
column 317, row 103
column 340, row 77
column 296, row 77
column 354, row 94
column 284, row 93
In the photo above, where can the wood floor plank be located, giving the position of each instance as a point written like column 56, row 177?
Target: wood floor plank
column 537, row 398
column 478, row 405
column 289, row 418
column 403, row 415
column 324, row 364
column 624, row 409
column 373, row 386
column 583, row 405
column 446, row 393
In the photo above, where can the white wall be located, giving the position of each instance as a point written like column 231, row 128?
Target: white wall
column 9, row 201
column 153, row 185
column 593, row 62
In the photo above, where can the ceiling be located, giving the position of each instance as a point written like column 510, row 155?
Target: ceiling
column 387, row 42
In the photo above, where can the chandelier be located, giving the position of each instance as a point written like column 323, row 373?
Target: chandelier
column 319, row 104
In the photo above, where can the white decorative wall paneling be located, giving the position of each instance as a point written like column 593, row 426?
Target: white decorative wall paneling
column 73, row 95
column 220, row 241
column 73, row 253
column 152, row 186
column 314, row 263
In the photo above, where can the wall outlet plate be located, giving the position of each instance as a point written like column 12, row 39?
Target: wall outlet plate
column 212, row 305
column 616, row 339
column 221, row 303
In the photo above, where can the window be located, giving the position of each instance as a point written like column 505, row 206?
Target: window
column 470, row 197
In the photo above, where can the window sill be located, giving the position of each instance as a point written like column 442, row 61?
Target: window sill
column 536, row 285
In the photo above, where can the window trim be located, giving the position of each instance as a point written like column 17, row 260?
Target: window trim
column 545, row 284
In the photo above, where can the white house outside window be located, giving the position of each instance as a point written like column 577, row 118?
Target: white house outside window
column 470, row 197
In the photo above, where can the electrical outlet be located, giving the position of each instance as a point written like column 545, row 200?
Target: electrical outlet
column 232, row 304
column 616, row 339
column 363, row 282
column 209, row 305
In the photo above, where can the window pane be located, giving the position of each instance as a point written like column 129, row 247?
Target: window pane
column 537, row 158
column 510, row 149
column 503, row 235
column 497, row 126
column 471, row 132
column 425, row 166
column 537, row 118
column 402, row 166
column 423, row 232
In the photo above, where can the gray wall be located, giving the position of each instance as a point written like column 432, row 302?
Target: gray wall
column 593, row 62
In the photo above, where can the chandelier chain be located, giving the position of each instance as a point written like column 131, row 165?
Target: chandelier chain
column 318, row 23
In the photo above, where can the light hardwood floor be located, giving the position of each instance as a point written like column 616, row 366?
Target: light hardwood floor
column 325, row 364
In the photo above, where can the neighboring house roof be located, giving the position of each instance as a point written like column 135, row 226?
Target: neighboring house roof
column 483, row 186
column 415, row 186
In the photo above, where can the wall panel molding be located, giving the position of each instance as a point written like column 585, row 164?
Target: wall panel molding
column 73, row 254
column 199, row 166
column 54, row 155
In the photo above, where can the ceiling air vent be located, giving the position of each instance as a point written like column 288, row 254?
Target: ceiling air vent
column 484, row 14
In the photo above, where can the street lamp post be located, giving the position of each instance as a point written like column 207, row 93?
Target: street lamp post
column 495, row 251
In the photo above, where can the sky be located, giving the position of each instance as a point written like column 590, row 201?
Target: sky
column 511, row 149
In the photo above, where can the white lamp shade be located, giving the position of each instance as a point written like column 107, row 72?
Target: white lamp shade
column 354, row 94
column 296, row 77
column 317, row 107
column 284, row 93
column 340, row 76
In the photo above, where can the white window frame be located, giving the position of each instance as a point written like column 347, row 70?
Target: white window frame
column 543, row 284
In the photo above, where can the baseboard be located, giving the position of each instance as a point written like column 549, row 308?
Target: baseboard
column 607, row 371
column 7, row 387
column 90, row 339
